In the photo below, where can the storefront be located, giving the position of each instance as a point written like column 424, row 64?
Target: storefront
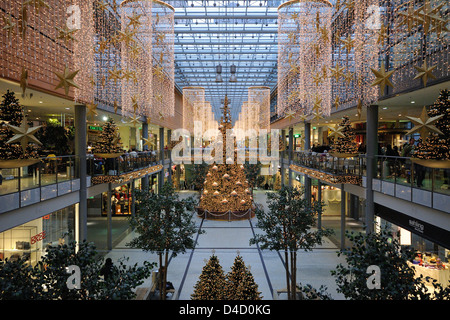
column 431, row 243
column 30, row 240
column 121, row 201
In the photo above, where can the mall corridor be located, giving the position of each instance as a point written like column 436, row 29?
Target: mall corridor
column 227, row 239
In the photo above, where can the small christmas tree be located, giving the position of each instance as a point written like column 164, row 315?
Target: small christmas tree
column 345, row 144
column 241, row 284
column 212, row 283
column 109, row 142
column 12, row 114
column 437, row 146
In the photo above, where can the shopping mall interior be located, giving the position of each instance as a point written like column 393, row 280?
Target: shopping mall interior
column 346, row 100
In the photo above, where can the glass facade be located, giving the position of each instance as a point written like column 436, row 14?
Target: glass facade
column 29, row 240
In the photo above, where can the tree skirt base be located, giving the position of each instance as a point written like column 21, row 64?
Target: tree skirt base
column 226, row 216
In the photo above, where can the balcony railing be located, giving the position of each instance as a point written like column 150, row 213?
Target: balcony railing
column 395, row 176
column 107, row 170
column 52, row 176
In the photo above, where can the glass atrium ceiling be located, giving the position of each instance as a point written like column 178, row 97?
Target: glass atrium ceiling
column 226, row 32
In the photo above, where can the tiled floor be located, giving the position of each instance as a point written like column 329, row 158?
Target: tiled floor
column 225, row 239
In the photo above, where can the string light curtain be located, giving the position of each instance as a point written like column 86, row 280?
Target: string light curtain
column 260, row 97
column 135, row 39
column 193, row 98
column 385, row 47
column 304, row 55
column 40, row 39
column 163, row 102
column 107, row 51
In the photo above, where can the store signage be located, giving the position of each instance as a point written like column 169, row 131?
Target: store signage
column 416, row 225
column 39, row 237
column 95, row 128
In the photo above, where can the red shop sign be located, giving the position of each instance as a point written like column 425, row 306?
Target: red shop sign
column 39, row 237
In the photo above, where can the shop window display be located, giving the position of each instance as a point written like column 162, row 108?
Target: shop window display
column 30, row 240
column 120, row 201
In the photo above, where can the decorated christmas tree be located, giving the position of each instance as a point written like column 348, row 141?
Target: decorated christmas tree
column 109, row 141
column 15, row 132
column 435, row 144
column 343, row 139
column 212, row 283
column 226, row 187
column 241, row 284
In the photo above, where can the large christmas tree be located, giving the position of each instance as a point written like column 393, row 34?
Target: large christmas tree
column 226, row 187
column 241, row 284
column 12, row 119
column 436, row 146
column 212, row 283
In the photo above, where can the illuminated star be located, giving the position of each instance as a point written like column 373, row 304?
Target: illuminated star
column 425, row 73
column 135, row 119
column 24, row 134
column 66, row 80
column 382, row 78
column 424, row 124
column 317, row 115
column 115, row 74
column 317, row 103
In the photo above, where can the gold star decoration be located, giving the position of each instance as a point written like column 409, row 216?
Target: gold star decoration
column 161, row 116
column 359, row 109
column 149, row 142
column 127, row 36
column 382, row 35
column 425, row 73
column 336, row 131
column 134, row 20
column 91, row 109
column 429, row 16
column 337, row 72
column 158, row 71
column 336, row 102
column 116, row 106
column 424, row 124
column 290, row 115
column 348, row 43
column 324, row 35
column 317, row 103
column 349, row 77
column 317, row 115
column 115, row 74
column 134, row 103
column 317, row 78
column 9, row 25
column 24, row 81
column 102, row 45
column 409, row 17
column 382, row 78
column 66, row 34
column 102, row 5
column 66, row 80
column 350, row 4
column 135, row 119
column 24, row 134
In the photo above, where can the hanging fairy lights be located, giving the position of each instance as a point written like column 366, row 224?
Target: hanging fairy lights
column 259, row 96
column 304, row 57
column 135, row 37
column 193, row 101
column 163, row 101
column 48, row 44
